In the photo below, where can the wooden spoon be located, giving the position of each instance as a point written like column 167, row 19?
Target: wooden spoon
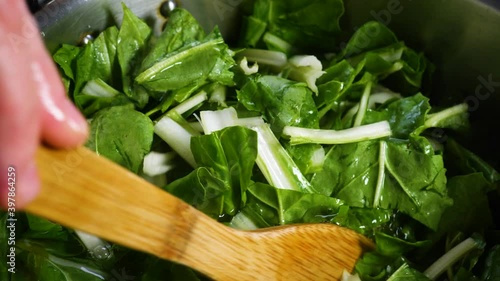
column 84, row 191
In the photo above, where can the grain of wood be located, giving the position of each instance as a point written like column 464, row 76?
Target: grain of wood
column 84, row 191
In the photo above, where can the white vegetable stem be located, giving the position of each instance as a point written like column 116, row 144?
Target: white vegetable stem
column 434, row 119
column 306, row 69
column 177, row 136
column 248, row 70
column 99, row 88
column 363, row 105
column 97, row 247
column 275, row 163
column 448, row 259
column 381, row 174
column 191, row 103
column 300, row 135
column 272, row 58
column 156, row 163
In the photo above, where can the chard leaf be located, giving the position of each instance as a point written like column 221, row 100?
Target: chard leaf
column 405, row 115
column 370, row 36
column 462, row 161
column 231, row 153
column 131, row 44
column 492, row 265
column 470, row 211
column 310, row 25
column 282, row 102
column 98, row 59
column 122, row 135
column 350, row 173
column 405, row 272
column 47, row 267
column 209, row 59
column 182, row 29
column 65, row 57
column 202, row 189
column 268, row 206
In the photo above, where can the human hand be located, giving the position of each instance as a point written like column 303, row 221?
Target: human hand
column 34, row 107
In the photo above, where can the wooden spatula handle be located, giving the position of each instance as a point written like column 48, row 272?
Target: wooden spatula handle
column 80, row 190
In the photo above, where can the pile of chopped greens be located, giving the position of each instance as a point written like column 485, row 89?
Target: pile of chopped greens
column 282, row 127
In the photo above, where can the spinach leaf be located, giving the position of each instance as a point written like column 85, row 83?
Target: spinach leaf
column 281, row 101
column 308, row 25
column 405, row 272
column 98, row 59
column 182, row 29
column 350, row 173
column 131, row 44
column 225, row 162
column 65, row 57
column 492, row 265
column 208, row 59
column 122, row 135
column 268, row 206
column 231, row 153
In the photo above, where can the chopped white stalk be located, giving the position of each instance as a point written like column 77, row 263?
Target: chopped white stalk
column 381, row 174
column 242, row 222
column 212, row 121
column 375, row 98
column 272, row 58
column 156, row 163
column 97, row 247
column 346, row 276
column 300, row 135
column 317, row 160
column 219, row 96
column 434, row 119
column 277, row 43
column 248, row 70
column 178, row 137
column 276, row 165
column 363, row 105
column 452, row 256
column 306, row 69
column 250, row 122
column 99, row 88
column 191, row 103
column 196, row 126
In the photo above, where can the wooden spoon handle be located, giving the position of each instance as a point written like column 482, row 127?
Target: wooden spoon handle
column 81, row 190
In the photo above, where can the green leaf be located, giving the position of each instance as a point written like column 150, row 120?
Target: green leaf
column 405, row 272
column 182, row 29
column 98, row 59
column 122, row 135
column 267, row 206
column 65, row 57
column 282, row 102
column 209, row 59
column 350, row 173
column 305, row 24
column 231, row 153
column 492, row 265
column 131, row 44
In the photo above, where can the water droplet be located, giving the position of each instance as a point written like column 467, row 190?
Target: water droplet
column 87, row 38
column 102, row 252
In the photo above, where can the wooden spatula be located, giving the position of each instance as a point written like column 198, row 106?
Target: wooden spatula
column 87, row 192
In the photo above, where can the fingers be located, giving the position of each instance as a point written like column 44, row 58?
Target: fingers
column 33, row 103
column 62, row 124
column 19, row 126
